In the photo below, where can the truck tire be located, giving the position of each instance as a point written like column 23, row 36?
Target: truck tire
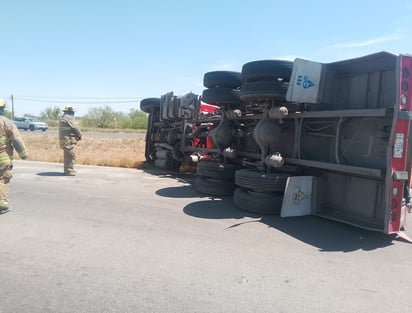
column 31, row 127
column 217, row 170
column 220, row 96
column 256, row 202
column 148, row 104
column 167, row 164
column 264, row 90
column 261, row 181
column 225, row 79
column 214, row 187
column 267, row 70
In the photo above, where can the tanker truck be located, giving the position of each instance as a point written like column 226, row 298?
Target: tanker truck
column 297, row 137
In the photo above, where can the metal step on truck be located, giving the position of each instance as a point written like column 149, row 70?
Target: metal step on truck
column 297, row 138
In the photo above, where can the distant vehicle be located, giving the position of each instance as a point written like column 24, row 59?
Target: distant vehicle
column 30, row 123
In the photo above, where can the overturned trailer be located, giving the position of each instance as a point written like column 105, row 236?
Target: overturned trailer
column 300, row 137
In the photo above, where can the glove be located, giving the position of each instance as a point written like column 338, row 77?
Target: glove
column 23, row 155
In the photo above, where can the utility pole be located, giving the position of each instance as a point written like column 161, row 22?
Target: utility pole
column 12, row 107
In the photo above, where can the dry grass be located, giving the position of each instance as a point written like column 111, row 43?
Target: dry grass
column 91, row 150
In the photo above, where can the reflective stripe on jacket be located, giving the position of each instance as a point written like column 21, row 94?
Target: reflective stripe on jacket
column 9, row 139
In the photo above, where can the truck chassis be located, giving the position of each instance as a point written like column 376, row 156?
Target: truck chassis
column 342, row 126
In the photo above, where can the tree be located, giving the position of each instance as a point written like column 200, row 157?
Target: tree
column 102, row 118
column 136, row 119
column 51, row 113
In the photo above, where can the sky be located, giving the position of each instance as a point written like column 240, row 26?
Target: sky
column 91, row 54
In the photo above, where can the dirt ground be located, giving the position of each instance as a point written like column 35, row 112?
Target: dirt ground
column 95, row 148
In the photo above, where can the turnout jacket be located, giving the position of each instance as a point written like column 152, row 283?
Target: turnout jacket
column 10, row 139
column 69, row 133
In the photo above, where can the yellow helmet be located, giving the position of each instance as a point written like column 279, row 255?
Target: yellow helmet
column 69, row 108
column 2, row 103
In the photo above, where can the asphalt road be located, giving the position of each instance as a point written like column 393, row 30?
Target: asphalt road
column 124, row 240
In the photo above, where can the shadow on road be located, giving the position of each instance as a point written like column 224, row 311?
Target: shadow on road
column 215, row 208
column 161, row 173
column 327, row 235
column 51, row 174
column 177, row 192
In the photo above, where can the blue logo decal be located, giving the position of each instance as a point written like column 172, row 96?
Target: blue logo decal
column 307, row 83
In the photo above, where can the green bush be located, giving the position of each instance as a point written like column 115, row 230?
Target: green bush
column 101, row 117
column 50, row 114
column 135, row 120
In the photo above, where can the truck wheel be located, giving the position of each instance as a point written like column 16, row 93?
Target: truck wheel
column 257, row 202
column 267, row 70
column 264, row 90
column 31, row 127
column 225, row 79
column 220, row 96
column 261, row 181
column 167, row 164
column 214, row 187
column 148, row 104
column 217, row 170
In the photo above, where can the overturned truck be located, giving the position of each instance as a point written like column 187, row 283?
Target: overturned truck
column 295, row 138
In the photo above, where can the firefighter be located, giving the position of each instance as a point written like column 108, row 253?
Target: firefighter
column 10, row 140
column 69, row 135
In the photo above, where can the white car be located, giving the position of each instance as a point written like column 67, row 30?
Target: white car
column 30, row 123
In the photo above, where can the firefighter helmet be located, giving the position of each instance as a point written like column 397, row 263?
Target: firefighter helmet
column 69, row 108
column 2, row 103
